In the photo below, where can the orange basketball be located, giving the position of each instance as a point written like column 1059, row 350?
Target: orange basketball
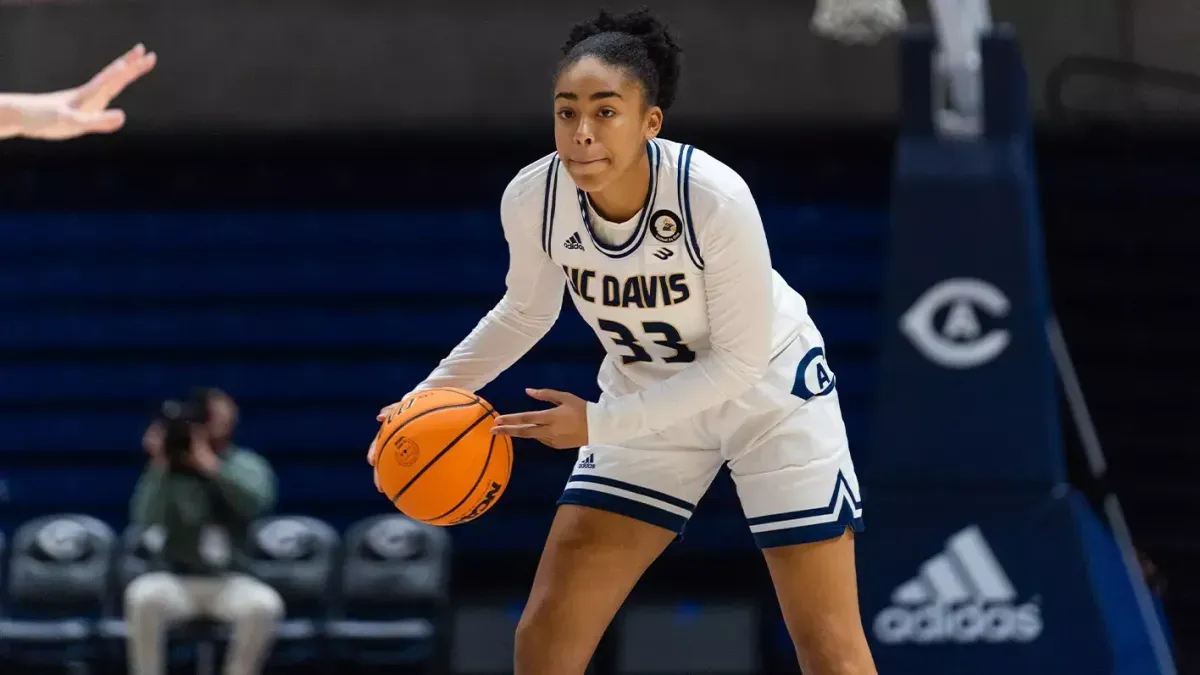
column 438, row 459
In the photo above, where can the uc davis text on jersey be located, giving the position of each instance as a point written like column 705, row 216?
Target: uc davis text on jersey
column 641, row 291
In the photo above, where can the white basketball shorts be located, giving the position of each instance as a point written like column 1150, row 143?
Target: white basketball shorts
column 785, row 444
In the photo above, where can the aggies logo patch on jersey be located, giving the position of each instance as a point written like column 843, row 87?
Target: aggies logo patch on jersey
column 666, row 226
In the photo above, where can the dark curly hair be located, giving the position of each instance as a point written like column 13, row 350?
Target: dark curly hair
column 637, row 42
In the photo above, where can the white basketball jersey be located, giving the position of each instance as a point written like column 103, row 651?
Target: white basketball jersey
column 683, row 296
column 645, row 296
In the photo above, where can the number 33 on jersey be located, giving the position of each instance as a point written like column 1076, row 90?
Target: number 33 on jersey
column 644, row 296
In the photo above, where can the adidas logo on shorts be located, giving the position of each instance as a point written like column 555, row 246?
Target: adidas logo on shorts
column 962, row 595
column 574, row 242
column 588, row 462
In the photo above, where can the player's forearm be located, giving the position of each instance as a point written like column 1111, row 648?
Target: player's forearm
column 713, row 379
column 498, row 341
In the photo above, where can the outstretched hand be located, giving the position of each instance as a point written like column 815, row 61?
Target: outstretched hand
column 563, row 426
column 82, row 110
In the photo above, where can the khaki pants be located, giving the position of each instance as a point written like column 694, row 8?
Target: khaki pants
column 155, row 601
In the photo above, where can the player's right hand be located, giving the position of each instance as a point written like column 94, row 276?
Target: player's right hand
column 373, row 452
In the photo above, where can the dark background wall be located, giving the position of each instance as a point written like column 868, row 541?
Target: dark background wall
column 301, row 64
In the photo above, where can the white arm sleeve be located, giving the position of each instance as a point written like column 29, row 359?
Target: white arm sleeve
column 738, row 283
column 527, row 311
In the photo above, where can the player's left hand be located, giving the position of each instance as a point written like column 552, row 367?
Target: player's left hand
column 373, row 451
column 560, row 427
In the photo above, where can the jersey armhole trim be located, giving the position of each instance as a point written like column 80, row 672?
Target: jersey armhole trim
column 685, row 195
column 549, row 204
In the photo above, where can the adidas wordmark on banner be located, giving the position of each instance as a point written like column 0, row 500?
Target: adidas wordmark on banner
column 961, row 595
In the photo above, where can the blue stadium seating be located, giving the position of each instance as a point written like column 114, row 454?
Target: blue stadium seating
column 313, row 320
column 56, row 588
column 191, row 233
column 68, row 611
column 145, row 383
column 252, row 326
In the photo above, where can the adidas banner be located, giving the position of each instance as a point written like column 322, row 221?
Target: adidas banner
column 997, row 585
column 978, row 559
column 967, row 394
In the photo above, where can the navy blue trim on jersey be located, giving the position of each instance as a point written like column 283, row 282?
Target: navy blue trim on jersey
column 549, row 203
column 646, row 510
column 654, row 157
column 625, row 507
column 685, row 198
column 808, row 534
column 843, row 502
column 632, row 487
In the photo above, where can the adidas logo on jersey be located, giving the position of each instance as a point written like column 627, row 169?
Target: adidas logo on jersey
column 588, row 462
column 962, row 595
column 574, row 242
column 663, row 253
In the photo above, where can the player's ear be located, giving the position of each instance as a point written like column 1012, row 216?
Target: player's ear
column 654, row 121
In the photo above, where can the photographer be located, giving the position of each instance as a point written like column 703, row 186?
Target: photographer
column 197, row 498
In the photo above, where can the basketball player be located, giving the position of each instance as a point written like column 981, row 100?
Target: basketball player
column 59, row 115
column 712, row 358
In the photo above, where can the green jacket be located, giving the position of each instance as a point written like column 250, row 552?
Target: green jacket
column 190, row 508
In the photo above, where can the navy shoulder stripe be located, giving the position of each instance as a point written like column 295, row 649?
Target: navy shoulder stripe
column 549, row 203
column 685, row 196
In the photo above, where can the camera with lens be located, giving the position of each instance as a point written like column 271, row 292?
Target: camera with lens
column 177, row 417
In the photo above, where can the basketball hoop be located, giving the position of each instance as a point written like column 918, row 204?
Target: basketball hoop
column 958, row 69
column 858, row 21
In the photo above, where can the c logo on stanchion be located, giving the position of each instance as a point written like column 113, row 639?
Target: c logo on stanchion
column 959, row 342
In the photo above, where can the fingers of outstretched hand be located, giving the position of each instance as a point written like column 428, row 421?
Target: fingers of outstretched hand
column 521, row 430
column 55, row 123
column 104, row 122
column 116, row 76
column 533, row 417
